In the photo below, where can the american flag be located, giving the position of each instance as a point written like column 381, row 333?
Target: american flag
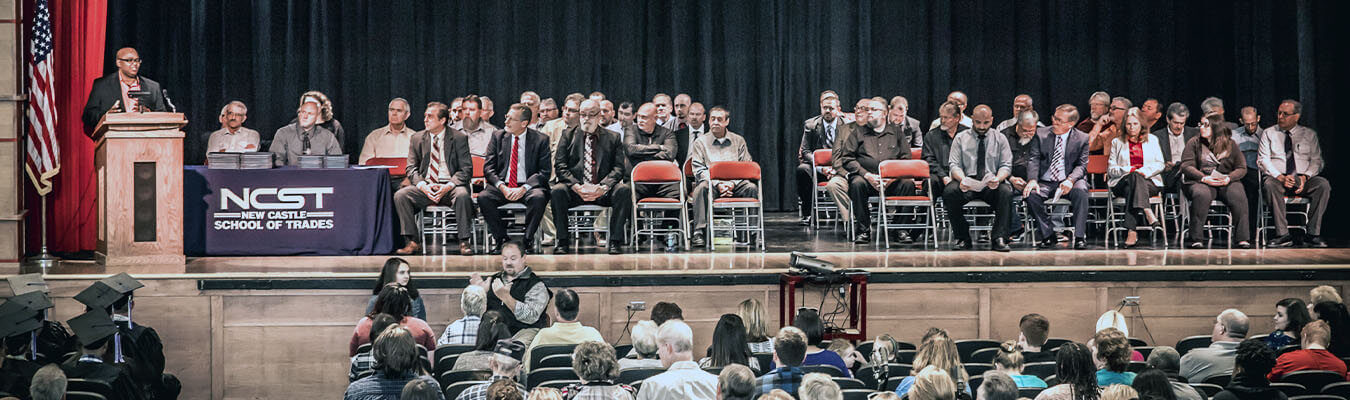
column 44, row 154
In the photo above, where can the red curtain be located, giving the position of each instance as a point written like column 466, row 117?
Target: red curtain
column 78, row 30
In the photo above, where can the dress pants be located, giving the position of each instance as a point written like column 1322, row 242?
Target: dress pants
column 837, row 187
column 859, row 189
column 1078, row 205
column 1232, row 195
column 806, row 188
column 491, row 199
column 741, row 189
column 1317, row 190
column 954, row 200
column 619, row 199
column 1252, row 185
column 1136, row 190
column 409, row 200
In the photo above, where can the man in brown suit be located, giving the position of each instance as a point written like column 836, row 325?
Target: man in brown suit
column 440, row 167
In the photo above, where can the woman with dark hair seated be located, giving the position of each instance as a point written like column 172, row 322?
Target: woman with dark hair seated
column 1338, row 319
column 595, row 364
column 1076, row 373
column 397, row 270
column 1290, row 316
column 1112, row 357
column 490, row 330
column 393, row 300
column 809, row 322
column 729, row 345
column 1153, row 385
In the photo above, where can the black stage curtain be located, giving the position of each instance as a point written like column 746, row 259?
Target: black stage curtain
column 765, row 60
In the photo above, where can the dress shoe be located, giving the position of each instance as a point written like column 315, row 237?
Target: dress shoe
column 561, row 249
column 862, row 238
column 1283, row 241
column 904, row 238
column 1131, row 237
column 615, row 248
column 1244, row 245
column 1048, row 243
column 1000, row 245
column 1196, row 245
column 1080, row 244
column 697, row 240
column 411, row 248
column 806, row 221
column 961, row 244
column 496, row 250
column 465, row 249
column 1316, row 241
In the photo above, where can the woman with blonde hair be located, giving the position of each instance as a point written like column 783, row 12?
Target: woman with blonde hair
column 752, row 315
column 545, row 393
column 1133, row 174
column 938, row 352
column 1114, row 319
column 1009, row 360
column 933, row 384
column 1119, row 392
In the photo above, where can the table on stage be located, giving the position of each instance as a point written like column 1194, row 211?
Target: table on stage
column 287, row 211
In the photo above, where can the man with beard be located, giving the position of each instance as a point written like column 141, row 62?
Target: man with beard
column 899, row 116
column 818, row 132
column 980, row 163
column 859, row 155
column 474, row 126
column 589, row 161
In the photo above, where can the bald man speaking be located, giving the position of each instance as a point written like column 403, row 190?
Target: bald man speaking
column 122, row 91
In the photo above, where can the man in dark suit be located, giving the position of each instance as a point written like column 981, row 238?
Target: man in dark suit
column 1058, row 164
column 517, row 171
column 441, row 167
column 590, row 165
column 694, row 117
column 818, row 132
column 113, row 91
column 1172, row 139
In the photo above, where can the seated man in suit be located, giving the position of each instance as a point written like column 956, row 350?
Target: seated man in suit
column 1172, row 139
column 1059, row 165
column 116, row 91
column 590, row 163
column 441, row 168
column 695, row 126
column 517, row 170
column 859, row 155
column 95, row 329
column 818, row 133
column 980, row 162
column 721, row 145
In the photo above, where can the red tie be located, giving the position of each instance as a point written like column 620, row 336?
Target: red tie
column 515, row 158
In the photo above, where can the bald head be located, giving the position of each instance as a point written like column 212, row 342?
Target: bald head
column 982, row 118
column 646, row 117
column 959, row 99
column 1022, row 103
column 128, row 63
column 590, row 115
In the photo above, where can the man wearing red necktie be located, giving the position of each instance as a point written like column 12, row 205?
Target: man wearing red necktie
column 517, row 171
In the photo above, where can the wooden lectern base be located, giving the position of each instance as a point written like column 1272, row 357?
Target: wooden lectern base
column 139, row 162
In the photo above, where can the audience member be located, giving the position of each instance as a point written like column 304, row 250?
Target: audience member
column 644, row 354
column 1035, row 331
column 1252, row 361
column 421, row 389
column 789, row 351
column 683, row 379
column 565, row 329
column 776, row 394
column 1009, row 362
column 664, row 311
column 1112, row 357
column 1214, row 167
column 505, row 366
column 938, row 350
column 490, row 332
column 95, row 330
column 1114, row 319
column 1290, row 317
column 1313, row 354
column 814, row 329
column 729, row 345
column 1338, row 319
column 49, row 383
column 932, row 383
column 1168, row 361
column 818, row 386
column 1119, row 392
column 847, row 352
column 473, row 303
column 736, row 382
column 594, row 363
column 751, row 312
column 1217, row 359
column 1322, row 293
column 1076, row 373
column 395, row 301
column 365, row 360
column 16, row 341
column 545, row 393
column 504, row 390
column 516, row 293
column 397, row 361
column 999, row 386
column 397, row 271
column 1152, row 384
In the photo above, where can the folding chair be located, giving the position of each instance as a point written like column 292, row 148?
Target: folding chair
column 821, row 202
column 919, row 207
column 1116, row 214
column 1099, row 198
column 745, row 214
column 1297, row 218
column 1219, row 219
column 652, row 214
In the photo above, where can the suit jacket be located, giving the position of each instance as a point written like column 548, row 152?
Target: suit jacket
column 683, row 144
column 1075, row 154
column 538, row 164
column 454, row 150
column 813, row 137
column 1172, row 174
column 116, row 376
column 568, row 159
column 108, row 90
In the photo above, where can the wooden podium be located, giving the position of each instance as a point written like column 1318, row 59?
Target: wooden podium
column 139, row 162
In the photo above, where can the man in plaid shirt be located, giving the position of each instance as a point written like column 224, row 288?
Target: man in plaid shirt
column 789, row 350
column 473, row 301
column 505, row 366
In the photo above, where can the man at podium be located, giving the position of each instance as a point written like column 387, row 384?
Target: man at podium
column 122, row 91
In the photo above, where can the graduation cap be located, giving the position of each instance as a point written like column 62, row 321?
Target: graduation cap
column 16, row 319
column 93, row 327
column 103, row 293
column 33, row 301
column 26, row 283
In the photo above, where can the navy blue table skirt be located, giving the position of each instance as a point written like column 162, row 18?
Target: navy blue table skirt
column 287, row 211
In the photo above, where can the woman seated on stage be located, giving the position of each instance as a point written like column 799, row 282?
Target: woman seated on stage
column 1076, row 373
column 729, row 345
column 752, row 314
column 491, row 330
column 397, row 270
column 809, row 322
column 1009, row 361
column 1136, row 162
column 1214, row 168
column 1290, row 316
column 940, row 352
column 393, row 300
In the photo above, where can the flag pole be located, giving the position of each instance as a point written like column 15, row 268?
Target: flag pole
column 44, row 261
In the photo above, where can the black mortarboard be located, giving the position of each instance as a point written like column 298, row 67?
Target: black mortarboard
column 33, row 301
column 512, row 348
column 26, row 283
column 92, row 327
column 107, row 291
column 16, row 319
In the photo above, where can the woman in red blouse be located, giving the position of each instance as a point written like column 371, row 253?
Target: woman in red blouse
column 1136, row 162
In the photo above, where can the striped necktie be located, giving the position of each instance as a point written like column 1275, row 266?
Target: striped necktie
column 434, row 170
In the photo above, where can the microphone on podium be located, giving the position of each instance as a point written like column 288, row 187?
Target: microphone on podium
column 168, row 101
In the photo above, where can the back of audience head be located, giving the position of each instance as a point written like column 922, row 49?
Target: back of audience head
column 1119, row 392
column 1113, row 319
column 809, row 322
column 1253, row 360
column 729, row 345
column 1152, row 384
column 594, row 362
column 395, row 352
column 932, row 384
column 419, row 389
column 736, row 382
column 393, row 300
column 776, row 394
column 543, row 393
column 940, row 352
column 1035, row 329
column 1231, row 325
column 1112, row 349
column 1074, row 366
column 1009, row 358
column 1333, row 313
column 663, row 311
column 489, row 332
column 644, row 339
column 504, row 389
column 789, row 347
column 675, row 342
column 883, row 349
column 845, row 350
column 49, row 383
column 567, row 304
column 934, row 332
column 1315, row 334
column 379, row 324
column 997, row 386
column 473, row 300
column 1165, row 358
column 818, row 386
column 506, row 356
column 1324, row 293
column 751, row 312
column 1291, row 315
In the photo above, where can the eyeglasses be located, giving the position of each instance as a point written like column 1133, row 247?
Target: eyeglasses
column 130, row 60
column 1283, row 114
column 590, row 114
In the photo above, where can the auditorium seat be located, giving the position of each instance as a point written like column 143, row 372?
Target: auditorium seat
column 746, row 215
column 984, row 355
column 965, row 348
column 541, row 375
column 1314, row 381
column 1208, row 389
column 448, row 378
column 629, row 376
column 975, row 382
column 651, row 215
column 75, row 395
column 538, row 353
column 1339, row 388
column 1317, row 397
column 454, row 389
column 1192, row 342
column 1220, row 380
column 1137, row 342
column 558, row 384
column 1054, row 343
column 1137, row 367
column 1040, row 370
column 1286, row 349
column 1294, row 389
column 764, row 360
column 556, row 360
column 905, row 356
column 99, row 388
column 823, row 369
column 857, row 394
column 914, row 212
column 1144, row 351
column 977, row 369
column 825, row 208
column 848, row 383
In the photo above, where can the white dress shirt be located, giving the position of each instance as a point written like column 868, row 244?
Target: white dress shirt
column 242, row 140
column 1307, row 151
